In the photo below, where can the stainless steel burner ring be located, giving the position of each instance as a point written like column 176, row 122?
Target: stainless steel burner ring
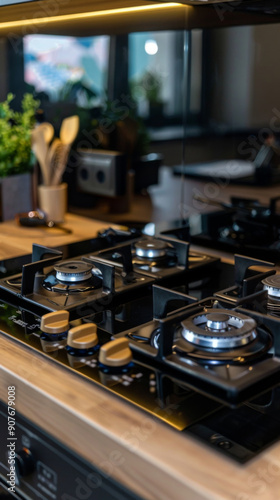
column 73, row 271
column 219, row 329
column 272, row 285
column 150, row 248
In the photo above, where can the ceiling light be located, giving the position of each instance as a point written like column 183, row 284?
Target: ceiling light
column 151, row 47
column 85, row 15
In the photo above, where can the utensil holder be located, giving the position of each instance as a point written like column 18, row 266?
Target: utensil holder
column 53, row 201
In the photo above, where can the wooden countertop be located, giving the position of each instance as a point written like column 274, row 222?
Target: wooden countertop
column 153, row 460
column 17, row 240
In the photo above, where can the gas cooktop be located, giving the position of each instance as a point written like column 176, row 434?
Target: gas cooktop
column 188, row 338
column 243, row 226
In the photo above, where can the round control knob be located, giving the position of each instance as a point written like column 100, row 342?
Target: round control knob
column 24, row 462
column 55, row 322
column 83, row 336
column 116, row 353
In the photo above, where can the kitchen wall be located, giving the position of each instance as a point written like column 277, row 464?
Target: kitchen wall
column 245, row 76
column 241, row 90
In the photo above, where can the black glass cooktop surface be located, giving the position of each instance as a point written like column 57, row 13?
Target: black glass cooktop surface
column 198, row 350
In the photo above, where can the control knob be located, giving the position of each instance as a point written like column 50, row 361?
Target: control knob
column 83, row 336
column 55, row 323
column 24, row 462
column 115, row 354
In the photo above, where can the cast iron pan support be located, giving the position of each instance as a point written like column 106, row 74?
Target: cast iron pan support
column 41, row 257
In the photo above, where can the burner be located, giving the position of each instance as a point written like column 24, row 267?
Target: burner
column 73, row 276
column 150, row 248
column 153, row 255
column 219, row 329
column 159, row 257
column 272, row 285
column 222, row 336
column 73, row 271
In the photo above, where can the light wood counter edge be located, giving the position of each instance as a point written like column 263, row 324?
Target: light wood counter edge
column 145, row 455
column 17, row 240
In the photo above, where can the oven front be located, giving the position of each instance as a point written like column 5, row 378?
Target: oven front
column 34, row 466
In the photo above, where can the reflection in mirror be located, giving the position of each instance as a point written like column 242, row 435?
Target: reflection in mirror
column 233, row 80
column 231, row 88
column 66, row 73
column 234, row 103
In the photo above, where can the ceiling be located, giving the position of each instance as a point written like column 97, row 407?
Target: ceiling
column 95, row 17
column 269, row 7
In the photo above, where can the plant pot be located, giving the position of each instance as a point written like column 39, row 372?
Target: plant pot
column 146, row 171
column 16, row 195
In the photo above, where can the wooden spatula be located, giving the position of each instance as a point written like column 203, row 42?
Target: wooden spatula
column 40, row 148
column 69, row 129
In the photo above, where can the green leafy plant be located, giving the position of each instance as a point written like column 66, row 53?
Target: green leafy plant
column 77, row 92
column 148, row 86
column 16, row 156
column 119, row 128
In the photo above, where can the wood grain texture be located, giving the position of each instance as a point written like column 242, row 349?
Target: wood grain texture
column 151, row 459
column 17, row 240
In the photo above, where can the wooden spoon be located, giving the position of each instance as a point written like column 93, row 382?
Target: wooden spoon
column 48, row 131
column 40, row 148
column 69, row 129
column 51, row 153
column 59, row 162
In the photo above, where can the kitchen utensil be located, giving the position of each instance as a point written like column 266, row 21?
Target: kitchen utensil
column 58, row 152
column 40, row 148
column 59, row 162
column 69, row 129
column 48, row 131
column 51, row 154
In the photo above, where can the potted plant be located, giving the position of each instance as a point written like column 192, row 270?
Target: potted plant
column 149, row 87
column 16, row 157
